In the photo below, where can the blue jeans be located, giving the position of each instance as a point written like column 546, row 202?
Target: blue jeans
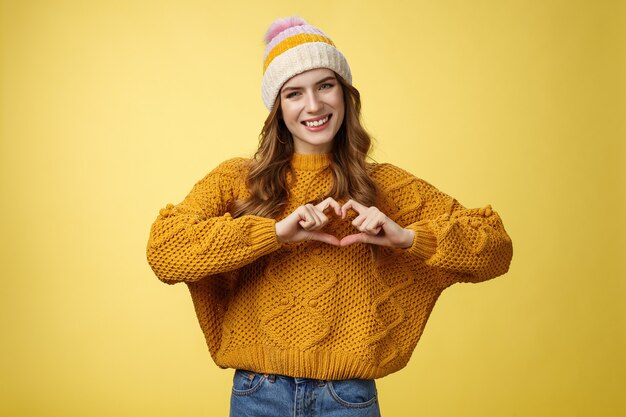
column 259, row 395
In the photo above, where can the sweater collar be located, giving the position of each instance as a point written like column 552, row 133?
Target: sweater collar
column 302, row 162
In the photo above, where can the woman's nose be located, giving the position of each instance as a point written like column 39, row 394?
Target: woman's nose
column 313, row 104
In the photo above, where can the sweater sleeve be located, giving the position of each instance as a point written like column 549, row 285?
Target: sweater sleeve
column 467, row 245
column 198, row 237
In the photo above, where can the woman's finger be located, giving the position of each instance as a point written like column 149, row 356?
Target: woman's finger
column 304, row 218
column 320, row 216
column 362, row 238
column 319, row 219
column 358, row 221
column 354, row 205
column 330, row 202
column 324, row 237
column 307, row 217
column 352, row 239
column 373, row 224
column 322, row 220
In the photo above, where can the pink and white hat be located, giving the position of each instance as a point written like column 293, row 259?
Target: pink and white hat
column 293, row 47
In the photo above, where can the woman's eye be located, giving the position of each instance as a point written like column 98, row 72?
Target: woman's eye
column 292, row 94
column 326, row 86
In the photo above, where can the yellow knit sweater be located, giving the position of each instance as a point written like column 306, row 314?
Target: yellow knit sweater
column 311, row 309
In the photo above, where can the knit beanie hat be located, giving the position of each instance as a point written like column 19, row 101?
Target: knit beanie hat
column 293, row 47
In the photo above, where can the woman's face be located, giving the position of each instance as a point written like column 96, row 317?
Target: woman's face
column 312, row 108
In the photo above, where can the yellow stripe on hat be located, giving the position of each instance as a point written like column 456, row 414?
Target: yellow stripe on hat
column 291, row 42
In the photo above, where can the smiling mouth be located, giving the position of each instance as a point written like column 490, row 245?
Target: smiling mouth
column 317, row 123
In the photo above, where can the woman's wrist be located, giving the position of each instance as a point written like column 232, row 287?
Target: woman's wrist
column 279, row 230
column 408, row 240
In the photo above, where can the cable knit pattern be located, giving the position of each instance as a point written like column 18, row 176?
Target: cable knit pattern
column 310, row 309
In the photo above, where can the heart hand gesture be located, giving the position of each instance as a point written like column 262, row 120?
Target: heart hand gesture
column 306, row 222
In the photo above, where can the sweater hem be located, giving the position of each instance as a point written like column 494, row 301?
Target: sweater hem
column 318, row 364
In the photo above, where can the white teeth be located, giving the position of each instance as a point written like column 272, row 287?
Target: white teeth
column 317, row 122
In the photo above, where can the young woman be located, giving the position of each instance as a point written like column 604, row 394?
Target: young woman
column 312, row 271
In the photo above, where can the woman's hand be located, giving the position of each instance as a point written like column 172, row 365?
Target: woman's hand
column 305, row 222
column 375, row 227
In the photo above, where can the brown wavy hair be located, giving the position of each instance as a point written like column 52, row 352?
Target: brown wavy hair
column 268, row 180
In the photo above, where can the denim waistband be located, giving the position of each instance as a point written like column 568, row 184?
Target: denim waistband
column 297, row 380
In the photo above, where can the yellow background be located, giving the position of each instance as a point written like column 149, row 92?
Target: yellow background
column 111, row 109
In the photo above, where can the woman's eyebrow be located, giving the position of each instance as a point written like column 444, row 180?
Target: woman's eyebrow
column 323, row 80
column 290, row 88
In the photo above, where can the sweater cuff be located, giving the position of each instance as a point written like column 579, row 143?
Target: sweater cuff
column 262, row 235
column 425, row 242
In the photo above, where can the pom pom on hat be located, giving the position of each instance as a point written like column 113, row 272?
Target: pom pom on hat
column 282, row 24
column 292, row 47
